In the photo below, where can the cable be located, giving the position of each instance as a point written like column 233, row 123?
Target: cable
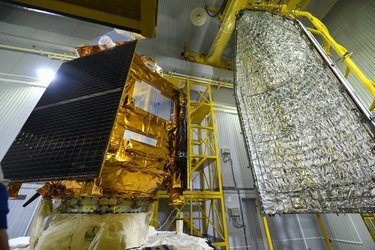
column 167, row 219
column 227, row 158
column 222, row 7
column 237, row 224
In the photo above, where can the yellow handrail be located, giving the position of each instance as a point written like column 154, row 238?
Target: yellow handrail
column 341, row 51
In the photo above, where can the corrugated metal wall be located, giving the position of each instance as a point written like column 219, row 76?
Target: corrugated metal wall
column 16, row 103
column 20, row 218
column 347, row 232
column 229, row 135
column 351, row 24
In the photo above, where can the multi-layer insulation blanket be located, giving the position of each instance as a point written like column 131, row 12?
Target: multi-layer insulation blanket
column 309, row 149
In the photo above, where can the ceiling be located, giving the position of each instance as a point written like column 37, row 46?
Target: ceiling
column 24, row 28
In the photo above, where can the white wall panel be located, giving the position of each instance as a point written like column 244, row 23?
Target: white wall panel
column 228, row 132
column 20, row 218
column 236, row 236
column 347, row 232
column 16, row 103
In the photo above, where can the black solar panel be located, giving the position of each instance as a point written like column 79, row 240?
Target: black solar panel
column 67, row 134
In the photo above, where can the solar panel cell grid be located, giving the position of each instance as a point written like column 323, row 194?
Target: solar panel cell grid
column 66, row 135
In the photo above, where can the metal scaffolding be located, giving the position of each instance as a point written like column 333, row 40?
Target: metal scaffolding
column 204, row 212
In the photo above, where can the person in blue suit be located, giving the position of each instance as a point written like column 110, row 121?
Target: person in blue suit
column 3, row 212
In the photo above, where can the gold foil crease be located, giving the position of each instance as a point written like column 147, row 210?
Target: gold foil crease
column 132, row 169
column 88, row 50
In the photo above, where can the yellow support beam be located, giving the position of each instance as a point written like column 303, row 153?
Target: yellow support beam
column 201, row 195
column 326, row 238
column 180, row 79
column 201, row 59
column 290, row 6
column 225, row 31
column 267, row 232
column 213, row 57
column 154, row 221
column 222, row 15
column 199, row 164
column 326, row 44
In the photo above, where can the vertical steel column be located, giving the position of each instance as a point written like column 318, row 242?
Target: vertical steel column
column 189, row 144
column 267, row 232
column 326, row 238
column 154, row 220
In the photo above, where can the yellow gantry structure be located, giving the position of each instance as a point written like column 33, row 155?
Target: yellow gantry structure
column 227, row 19
column 204, row 212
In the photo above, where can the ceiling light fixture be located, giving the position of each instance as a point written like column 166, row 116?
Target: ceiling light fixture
column 198, row 17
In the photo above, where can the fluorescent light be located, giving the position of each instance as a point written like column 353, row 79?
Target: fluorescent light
column 45, row 76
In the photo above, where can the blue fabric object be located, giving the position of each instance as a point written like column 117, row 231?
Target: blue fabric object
column 3, row 206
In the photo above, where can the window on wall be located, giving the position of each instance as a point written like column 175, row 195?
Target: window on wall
column 150, row 99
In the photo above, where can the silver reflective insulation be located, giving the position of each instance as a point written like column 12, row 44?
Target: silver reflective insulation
column 309, row 149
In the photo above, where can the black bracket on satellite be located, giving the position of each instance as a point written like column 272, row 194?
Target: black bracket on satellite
column 34, row 197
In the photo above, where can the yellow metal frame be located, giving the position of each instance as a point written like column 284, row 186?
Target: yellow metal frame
column 202, row 59
column 204, row 211
column 213, row 57
column 227, row 18
column 369, row 220
column 326, row 238
column 179, row 80
column 269, row 240
column 222, row 15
